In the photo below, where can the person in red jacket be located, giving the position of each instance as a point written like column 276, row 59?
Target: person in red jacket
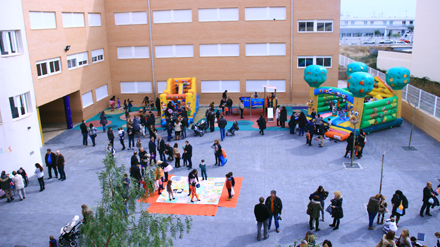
column 192, row 188
column 229, row 186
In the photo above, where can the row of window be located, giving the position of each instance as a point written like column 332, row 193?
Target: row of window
column 100, row 93
column 46, row 20
column 396, row 23
column 20, row 105
column 53, row 66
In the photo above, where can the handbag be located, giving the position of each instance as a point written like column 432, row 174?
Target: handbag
column 232, row 192
column 399, row 209
column 309, row 210
column 178, row 155
column 168, row 168
column 329, row 209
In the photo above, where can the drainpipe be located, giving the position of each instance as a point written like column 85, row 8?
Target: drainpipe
column 151, row 49
column 291, row 48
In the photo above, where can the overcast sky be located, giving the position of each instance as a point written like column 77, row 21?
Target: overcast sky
column 378, row 8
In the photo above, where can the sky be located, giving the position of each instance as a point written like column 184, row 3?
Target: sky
column 378, row 8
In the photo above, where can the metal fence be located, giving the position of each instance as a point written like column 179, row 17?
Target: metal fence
column 424, row 101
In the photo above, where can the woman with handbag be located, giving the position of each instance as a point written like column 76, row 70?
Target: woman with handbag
column 337, row 212
column 217, row 151
column 314, row 209
column 400, row 203
column 92, row 133
column 176, row 155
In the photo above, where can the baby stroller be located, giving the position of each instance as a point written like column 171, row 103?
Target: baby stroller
column 233, row 129
column 197, row 130
column 70, row 232
column 203, row 125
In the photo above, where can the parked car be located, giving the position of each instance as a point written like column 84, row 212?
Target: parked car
column 369, row 42
column 386, row 41
column 405, row 41
column 400, row 42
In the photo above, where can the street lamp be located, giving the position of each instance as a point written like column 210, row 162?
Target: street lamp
column 409, row 148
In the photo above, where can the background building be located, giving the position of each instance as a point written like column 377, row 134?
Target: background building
column 20, row 139
column 362, row 27
column 130, row 50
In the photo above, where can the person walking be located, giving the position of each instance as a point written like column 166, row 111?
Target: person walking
column 229, row 186
column 170, row 190
column 50, row 160
column 322, row 196
column 192, row 178
column 103, row 120
column 111, row 136
column 400, row 203
column 188, row 154
column 349, row 147
column 121, row 134
column 222, row 125
column 302, row 122
column 92, row 133
column 5, row 185
column 273, row 202
column 277, row 115
column 217, row 152
column 262, row 214
column 176, row 155
column 84, row 132
column 40, row 175
column 130, row 133
column 177, row 129
column 387, row 240
column 161, row 148
column 241, row 109
column 152, row 150
column 337, row 212
column 59, row 161
column 314, row 209
column 428, row 193
column 283, row 117
column 372, row 209
column 382, row 210
column 310, row 131
column 19, row 185
column 261, row 124
column 202, row 167
column 229, row 103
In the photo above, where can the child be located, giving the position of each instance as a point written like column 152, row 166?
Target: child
column 390, row 225
column 144, row 185
column 138, row 143
column 229, row 186
column 52, row 242
column 203, row 170
column 382, row 210
column 169, row 131
column 313, row 115
column 437, row 235
column 170, row 190
column 111, row 150
column 192, row 188
column 121, row 134
column 233, row 183
column 217, row 115
column 119, row 104
column 158, row 173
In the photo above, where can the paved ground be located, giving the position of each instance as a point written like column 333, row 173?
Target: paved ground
column 276, row 160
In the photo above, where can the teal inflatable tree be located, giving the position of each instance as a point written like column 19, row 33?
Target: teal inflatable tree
column 398, row 77
column 360, row 84
column 356, row 67
column 315, row 75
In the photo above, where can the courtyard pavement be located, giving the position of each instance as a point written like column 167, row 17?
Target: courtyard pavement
column 277, row 160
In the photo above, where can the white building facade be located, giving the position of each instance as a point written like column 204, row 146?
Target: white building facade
column 20, row 138
column 366, row 27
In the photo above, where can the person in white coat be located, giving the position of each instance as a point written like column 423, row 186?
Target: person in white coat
column 277, row 115
column 19, row 185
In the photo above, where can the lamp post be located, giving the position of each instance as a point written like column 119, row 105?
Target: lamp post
column 354, row 119
column 412, row 127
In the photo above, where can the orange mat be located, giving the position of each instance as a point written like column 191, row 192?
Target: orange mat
column 232, row 203
column 194, row 209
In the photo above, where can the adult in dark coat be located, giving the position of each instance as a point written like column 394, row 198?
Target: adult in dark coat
column 135, row 172
column 184, row 125
column 59, row 161
column 399, row 199
column 229, row 103
column 428, row 193
column 50, row 160
column 223, row 105
column 283, row 117
column 143, row 156
column 302, row 122
column 261, row 124
column 273, row 202
column 222, row 125
column 103, row 120
column 323, row 194
column 161, row 148
column 372, row 209
column 134, row 159
column 337, row 212
column 314, row 209
column 188, row 154
column 262, row 214
column 84, row 132
column 211, row 119
column 360, row 142
column 110, row 136
column 152, row 150
column 225, row 94
column 311, row 131
column 158, row 106
column 349, row 147
column 5, row 185
column 292, row 123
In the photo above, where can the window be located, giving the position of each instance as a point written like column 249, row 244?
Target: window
column 42, row 20
column 130, row 18
column 220, row 86
column 174, row 51
column 384, row 22
column 94, row 20
column 136, row 87
column 411, row 22
column 161, row 86
column 48, row 67
column 20, row 105
column 132, row 52
column 268, row 49
column 257, row 85
column 77, row 60
column 305, row 61
column 73, row 19
column 9, row 42
column 220, row 50
column 315, row 26
column 265, row 13
column 97, row 55
column 87, row 99
column 371, row 22
column 170, row 16
column 391, row 22
column 101, row 92
column 230, row 14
